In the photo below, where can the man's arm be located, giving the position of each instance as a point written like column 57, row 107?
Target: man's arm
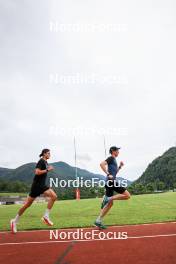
column 103, row 166
column 40, row 172
column 121, row 165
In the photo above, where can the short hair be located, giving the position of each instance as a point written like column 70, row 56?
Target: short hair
column 44, row 151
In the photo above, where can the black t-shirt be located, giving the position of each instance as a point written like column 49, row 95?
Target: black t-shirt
column 41, row 179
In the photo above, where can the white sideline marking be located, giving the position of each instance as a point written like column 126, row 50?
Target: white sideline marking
column 72, row 228
column 83, row 240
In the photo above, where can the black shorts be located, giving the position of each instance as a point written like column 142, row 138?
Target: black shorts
column 37, row 190
column 111, row 187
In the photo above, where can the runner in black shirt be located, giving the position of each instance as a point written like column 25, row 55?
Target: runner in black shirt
column 39, row 183
column 110, row 168
column 38, row 187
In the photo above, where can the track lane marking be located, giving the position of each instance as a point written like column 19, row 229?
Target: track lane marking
column 83, row 240
column 73, row 228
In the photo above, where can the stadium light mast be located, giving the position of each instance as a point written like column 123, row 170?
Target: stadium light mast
column 104, row 141
column 75, row 153
column 76, row 169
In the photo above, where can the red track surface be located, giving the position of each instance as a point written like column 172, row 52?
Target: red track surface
column 150, row 244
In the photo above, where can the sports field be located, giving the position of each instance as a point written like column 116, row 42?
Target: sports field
column 12, row 194
column 139, row 209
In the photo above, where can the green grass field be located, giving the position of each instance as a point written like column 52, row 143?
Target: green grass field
column 139, row 209
column 12, row 194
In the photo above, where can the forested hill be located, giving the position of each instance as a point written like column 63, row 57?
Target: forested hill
column 161, row 171
column 62, row 170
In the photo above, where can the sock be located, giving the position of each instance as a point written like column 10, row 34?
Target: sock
column 99, row 219
column 47, row 212
column 109, row 198
column 16, row 219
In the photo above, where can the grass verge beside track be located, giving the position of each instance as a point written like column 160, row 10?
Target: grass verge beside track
column 139, row 209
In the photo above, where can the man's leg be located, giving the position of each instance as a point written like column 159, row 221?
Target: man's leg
column 15, row 221
column 52, row 198
column 124, row 196
column 106, row 206
column 27, row 204
column 103, row 212
column 106, row 209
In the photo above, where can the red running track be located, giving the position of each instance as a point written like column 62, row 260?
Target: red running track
column 146, row 244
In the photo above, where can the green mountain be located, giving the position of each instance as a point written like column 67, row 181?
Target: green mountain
column 161, row 170
column 62, row 170
column 4, row 172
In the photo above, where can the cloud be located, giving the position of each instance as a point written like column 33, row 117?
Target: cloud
column 30, row 104
column 84, row 157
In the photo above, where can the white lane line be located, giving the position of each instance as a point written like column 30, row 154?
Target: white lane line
column 82, row 240
column 146, row 224
column 74, row 228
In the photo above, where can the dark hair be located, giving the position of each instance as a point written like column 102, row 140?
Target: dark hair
column 44, row 151
column 113, row 148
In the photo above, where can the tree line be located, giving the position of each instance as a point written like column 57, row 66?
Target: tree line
column 92, row 192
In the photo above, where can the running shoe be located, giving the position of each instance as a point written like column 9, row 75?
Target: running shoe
column 100, row 225
column 47, row 221
column 13, row 226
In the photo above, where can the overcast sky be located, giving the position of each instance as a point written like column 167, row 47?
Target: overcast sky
column 90, row 68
